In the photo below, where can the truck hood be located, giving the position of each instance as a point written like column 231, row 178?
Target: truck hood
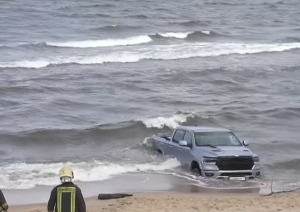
column 227, row 151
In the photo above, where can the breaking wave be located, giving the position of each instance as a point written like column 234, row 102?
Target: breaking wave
column 171, row 122
column 135, row 40
column 110, row 42
column 46, row 174
column 156, row 52
column 103, row 43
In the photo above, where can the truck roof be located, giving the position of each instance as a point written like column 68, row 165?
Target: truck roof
column 205, row 129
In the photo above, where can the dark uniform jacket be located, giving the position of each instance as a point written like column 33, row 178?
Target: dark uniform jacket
column 3, row 204
column 66, row 197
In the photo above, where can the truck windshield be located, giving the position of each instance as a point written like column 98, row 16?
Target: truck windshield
column 216, row 139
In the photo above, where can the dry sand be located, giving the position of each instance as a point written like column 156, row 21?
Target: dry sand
column 181, row 202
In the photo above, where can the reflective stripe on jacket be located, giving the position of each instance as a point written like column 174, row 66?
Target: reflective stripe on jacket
column 3, row 203
column 3, row 207
column 66, row 197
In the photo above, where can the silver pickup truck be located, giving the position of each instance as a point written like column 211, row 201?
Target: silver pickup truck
column 211, row 152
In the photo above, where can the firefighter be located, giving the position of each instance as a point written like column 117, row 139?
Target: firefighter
column 67, row 196
column 3, row 203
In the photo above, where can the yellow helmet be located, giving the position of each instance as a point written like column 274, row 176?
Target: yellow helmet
column 66, row 171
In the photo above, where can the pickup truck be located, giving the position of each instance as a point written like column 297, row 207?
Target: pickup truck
column 209, row 151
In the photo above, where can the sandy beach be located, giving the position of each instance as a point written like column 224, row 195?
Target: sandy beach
column 175, row 201
column 155, row 192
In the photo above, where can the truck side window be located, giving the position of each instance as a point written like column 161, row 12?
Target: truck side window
column 188, row 138
column 178, row 136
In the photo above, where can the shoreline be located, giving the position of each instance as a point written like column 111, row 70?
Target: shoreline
column 185, row 201
column 132, row 183
column 158, row 192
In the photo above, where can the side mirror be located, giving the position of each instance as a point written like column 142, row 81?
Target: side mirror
column 183, row 143
column 245, row 143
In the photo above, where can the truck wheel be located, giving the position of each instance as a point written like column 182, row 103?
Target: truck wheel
column 195, row 168
column 160, row 152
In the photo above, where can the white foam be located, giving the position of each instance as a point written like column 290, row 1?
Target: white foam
column 103, row 43
column 115, row 57
column 180, row 35
column 158, row 52
column 160, row 122
column 25, row 64
column 24, row 176
column 188, row 50
column 206, row 32
column 188, row 176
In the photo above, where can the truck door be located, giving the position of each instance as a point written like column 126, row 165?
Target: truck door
column 185, row 151
column 178, row 135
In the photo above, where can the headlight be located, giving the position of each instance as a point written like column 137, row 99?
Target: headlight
column 210, row 167
column 209, row 160
column 256, row 159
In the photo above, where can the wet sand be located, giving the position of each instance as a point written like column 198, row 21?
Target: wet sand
column 156, row 192
column 180, row 202
column 130, row 182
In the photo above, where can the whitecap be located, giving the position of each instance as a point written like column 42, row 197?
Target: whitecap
column 103, row 43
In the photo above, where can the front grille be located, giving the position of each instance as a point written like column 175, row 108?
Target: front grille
column 235, row 163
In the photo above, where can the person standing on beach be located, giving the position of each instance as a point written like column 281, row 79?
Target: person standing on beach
column 67, row 196
column 3, row 203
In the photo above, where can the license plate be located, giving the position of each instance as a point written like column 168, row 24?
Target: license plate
column 237, row 178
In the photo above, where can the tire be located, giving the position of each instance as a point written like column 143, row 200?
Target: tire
column 195, row 168
column 159, row 152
